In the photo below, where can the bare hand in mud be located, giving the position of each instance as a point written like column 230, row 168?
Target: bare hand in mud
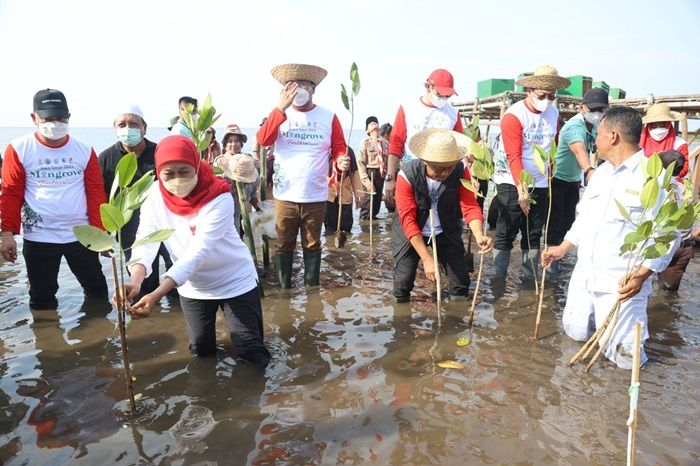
column 429, row 268
column 143, row 307
column 287, row 96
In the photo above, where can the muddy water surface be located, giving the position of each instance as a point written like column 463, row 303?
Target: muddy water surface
column 353, row 380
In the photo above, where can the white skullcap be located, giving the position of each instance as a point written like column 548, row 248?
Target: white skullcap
column 132, row 109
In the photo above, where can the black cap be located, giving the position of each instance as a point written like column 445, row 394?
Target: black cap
column 50, row 102
column 370, row 120
column 596, row 98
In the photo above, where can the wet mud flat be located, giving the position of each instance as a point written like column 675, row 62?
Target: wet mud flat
column 353, row 379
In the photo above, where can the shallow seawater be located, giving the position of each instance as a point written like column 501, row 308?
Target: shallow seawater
column 354, row 379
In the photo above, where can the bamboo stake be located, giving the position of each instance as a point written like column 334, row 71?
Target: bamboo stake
column 609, row 330
column 371, row 208
column 476, row 292
column 539, row 303
column 591, row 342
column 121, row 310
column 339, row 234
column 634, row 393
column 433, row 241
column 248, row 229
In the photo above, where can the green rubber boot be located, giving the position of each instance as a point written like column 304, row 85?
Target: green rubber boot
column 283, row 266
column 312, row 268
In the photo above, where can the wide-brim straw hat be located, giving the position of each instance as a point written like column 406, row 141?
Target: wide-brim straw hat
column 440, row 147
column 298, row 72
column 241, row 167
column 660, row 112
column 545, row 77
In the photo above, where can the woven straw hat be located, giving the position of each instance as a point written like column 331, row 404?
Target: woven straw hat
column 298, row 72
column 660, row 112
column 440, row 146
column 546, row 78
column 241, row 167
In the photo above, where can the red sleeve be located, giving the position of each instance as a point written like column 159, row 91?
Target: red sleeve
column 512, row 135
column 458, row 126
column 406, row 207
column 398, row 134
column 338, row 146
column 683, row 150
column 13, row 179
column 95, row 191
column 267, row 134
column 467, row 201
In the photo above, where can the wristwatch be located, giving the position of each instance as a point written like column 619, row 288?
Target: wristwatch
column 588, row 170
column 389, row 177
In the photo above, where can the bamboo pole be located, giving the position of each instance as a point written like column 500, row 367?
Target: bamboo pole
column 436, row 264
column 684, row 125
column 476, row 291
column 120, row 294
column 339, row 234
column 263, row 197
column 634, row 393
column 371, row 208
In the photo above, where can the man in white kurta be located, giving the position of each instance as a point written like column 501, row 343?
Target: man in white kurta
column 599, row 231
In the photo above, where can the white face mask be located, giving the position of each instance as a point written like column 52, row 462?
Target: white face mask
column 539, row 105
column 593, row 117
column 53, row 130
column 181, row 187
column 301, row 98
column 659, row 134
column 437, row 101
column 130, row 137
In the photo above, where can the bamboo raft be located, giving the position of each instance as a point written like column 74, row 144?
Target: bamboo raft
column 490, row 109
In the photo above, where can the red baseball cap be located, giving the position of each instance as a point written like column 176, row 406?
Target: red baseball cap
column 443, row 82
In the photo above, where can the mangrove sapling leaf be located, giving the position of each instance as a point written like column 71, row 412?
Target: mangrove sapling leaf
column 650, row 193
column 668, row 174
column 204, row 143
column 655, row 251
column 666, row 238
column 470, row 187
column 476, row 150
column 628, row 247
column 155, row 237
column 344, row 97
column 646, row 228
column 654, row 166
column 540, row 159
column 111, row 217
column 634, row 237
column 126, row 169
column 688, row 218
column 355, row 78
column 526, row 178
column 93, row 238
column 623, row 212
column 138, row 192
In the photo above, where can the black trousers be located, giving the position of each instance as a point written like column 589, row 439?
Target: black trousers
column 377, row 201
column 330, row 220
column 43, row 261
column 244, row 320
column 564, row 199
column 512, row 220
column 451, row 256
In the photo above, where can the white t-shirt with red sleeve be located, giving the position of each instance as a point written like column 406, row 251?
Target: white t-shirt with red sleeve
column 49, row 190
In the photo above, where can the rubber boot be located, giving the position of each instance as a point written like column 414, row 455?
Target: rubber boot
column 312, row 267
column 283, row 266
column 531, row 258
column 501, row 259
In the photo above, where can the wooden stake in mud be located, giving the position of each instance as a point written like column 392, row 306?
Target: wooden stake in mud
column 248, row 229
column 121, row 311
column 539, row 303
column 634, row 393
column 476, row 292
column 433, row 242
column 371, row 207
column 340, row 235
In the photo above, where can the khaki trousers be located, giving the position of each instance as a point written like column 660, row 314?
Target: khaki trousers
column 295, row 216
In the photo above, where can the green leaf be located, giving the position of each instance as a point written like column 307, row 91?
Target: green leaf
column 207, row 101
column 668, row 209
column 667, row 238
column 138, row 192
column 155, row 237
column 206, row 115
column 355, row 78
column 470, row 187
column 634, row 237
column 126, row 169
column 688, row 218
column 540, row 158
column 654, row 166
column 204, row 143
column 655, row 251
column 552, row 152
column 644, row 162
column 668, row 174
column 93, row 238
column 526, row 178
column 344, row 96
column 111, row 217
column 476, row 150
column 650, row 193
column 623, row 211
column 627, row 247
column 645, row 229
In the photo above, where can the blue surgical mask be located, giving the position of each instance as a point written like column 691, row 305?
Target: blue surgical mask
column 130, row 137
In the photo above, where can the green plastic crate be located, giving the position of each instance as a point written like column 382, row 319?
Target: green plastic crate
column 494, row 86
column 521, row 76
column 616, row 93
column 600, row 85
column 579, row 86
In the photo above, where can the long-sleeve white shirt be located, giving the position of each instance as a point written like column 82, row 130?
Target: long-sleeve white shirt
column 209, row 259
column 599, row 230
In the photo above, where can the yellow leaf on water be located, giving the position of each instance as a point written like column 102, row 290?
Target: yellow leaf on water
column 463, row 342
column 450, row 365
column 133, row 379
column 138, row 396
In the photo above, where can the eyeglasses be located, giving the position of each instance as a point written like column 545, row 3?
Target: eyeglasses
column 544, row 94
column 308, row 85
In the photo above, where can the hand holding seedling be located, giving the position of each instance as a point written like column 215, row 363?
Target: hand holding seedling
column 630, row 286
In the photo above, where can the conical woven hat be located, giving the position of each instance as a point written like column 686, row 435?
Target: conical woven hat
column 241, row 167
column 546, row 78
column 660, row 112
column 440, row 146
column 298, row 72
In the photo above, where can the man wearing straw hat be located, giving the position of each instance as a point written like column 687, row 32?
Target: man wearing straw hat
column 431, row 110
column 305, row 137
column 659, row 135
column 432, row 182
column 533, row 120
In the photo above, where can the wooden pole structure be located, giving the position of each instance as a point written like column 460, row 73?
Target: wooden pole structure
column 684, row 125
column 634, row 393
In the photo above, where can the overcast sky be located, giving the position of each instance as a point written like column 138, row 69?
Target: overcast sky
column 103, row 54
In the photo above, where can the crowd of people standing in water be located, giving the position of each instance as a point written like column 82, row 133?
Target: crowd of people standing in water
column 52, row 182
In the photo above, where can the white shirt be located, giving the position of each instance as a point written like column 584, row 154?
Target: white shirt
column 434, row 192
column 599, row 230
column 419, row 116
column 209, row 259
